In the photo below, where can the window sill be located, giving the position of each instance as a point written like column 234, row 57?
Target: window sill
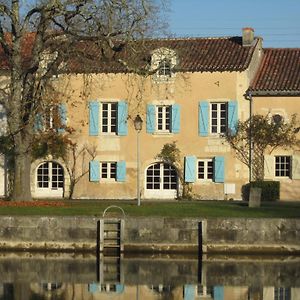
column 163, row 134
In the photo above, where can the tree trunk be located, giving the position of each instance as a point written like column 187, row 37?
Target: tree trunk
column 21, row 187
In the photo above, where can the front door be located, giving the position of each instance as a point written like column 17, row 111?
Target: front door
column 161, row 181
column 49, row 180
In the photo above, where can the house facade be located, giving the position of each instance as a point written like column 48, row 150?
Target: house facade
column 193, row 93
column 276, row 91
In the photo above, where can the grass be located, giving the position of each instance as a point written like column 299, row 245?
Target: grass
column 179, row 209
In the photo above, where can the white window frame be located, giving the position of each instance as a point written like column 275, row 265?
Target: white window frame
column 205, row 161
column 218, row 118
column 160, row 192
column 165, row 122
column 283, row 160
column 110, row 165
column 109, row 118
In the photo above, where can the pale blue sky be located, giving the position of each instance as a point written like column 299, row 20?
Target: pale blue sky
column 277, row 21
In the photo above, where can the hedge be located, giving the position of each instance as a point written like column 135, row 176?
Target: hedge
column 270, row 190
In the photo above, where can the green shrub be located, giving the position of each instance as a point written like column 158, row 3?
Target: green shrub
column 270, row 190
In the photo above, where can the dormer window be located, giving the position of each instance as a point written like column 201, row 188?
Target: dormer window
column 164, row 68
column 163, row 62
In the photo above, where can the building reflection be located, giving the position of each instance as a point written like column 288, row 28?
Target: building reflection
column 148, row 279
column 95, row 291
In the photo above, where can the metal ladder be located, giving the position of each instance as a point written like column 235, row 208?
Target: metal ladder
column 111, row 248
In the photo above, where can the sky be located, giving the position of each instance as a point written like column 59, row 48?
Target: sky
column 276, row 21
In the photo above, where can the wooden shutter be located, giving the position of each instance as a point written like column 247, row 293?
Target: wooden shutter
column 175, row 127
column 232, row 116
column 203, row 115
column 62, row 111
column 122, row 128
column 94, row 118
column 296, row 167
column 219, row 169
column 150, row 120
column 190, row 169
column 121, row 171
column 94, row 171
column 189, row 292
column 38, row 122
column 218, row 293
column 269, row 167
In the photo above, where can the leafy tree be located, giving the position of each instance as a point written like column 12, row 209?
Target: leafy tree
column 261, row 135
column 42, row 39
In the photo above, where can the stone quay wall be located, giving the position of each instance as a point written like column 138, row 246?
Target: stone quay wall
column 188, row 235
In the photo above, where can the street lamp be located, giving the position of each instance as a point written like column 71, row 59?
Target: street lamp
column 138, row 125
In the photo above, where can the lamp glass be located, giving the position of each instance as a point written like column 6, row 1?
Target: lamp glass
column 138, row 123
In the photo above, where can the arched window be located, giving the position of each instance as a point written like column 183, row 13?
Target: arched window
column 161, row 181
column 50, row 179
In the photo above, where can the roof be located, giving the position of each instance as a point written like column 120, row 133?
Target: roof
column 279, row 73
column 193, row 55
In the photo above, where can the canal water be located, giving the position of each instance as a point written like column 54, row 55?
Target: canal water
column 67, row 276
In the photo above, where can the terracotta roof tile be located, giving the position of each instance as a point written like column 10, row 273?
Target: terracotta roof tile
column 194, row 55
column 279, row 72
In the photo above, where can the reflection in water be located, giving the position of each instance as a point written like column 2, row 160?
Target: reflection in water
column 65, row 277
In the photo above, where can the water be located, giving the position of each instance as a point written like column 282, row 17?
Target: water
column 28, row 276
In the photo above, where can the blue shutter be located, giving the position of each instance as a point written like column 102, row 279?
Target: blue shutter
column 232, row 116
column 122, row 118
column 93, row 287
column 94, row 118
column 190, row 169
column 189, row 292
column 203, row 115
column 219, row 170
column 218, row 293
column 119, row 288
column 121, row 171
column 94, row 171
column 175, row 127
column 151, row 116
column 38, row 122
column 62, row 110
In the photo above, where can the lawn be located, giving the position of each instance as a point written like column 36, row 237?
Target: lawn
column 176, row 209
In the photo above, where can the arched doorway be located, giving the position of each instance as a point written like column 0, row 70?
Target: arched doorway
column 49, row 180
column 161, row 181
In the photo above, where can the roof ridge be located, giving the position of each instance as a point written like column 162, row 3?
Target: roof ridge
column 283, row 49
column 191, row 38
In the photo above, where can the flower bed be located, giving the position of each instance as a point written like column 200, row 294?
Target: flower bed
column 32, row 203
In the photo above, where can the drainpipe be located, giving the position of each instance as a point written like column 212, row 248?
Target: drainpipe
column 248, row 96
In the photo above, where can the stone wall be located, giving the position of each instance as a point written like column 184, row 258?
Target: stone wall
column 153, row 234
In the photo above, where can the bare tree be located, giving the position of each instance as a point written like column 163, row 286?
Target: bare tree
column 262, row 134
column 42, row 40
column 77, row 163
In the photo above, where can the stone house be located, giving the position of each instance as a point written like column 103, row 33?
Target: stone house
column 196, row 91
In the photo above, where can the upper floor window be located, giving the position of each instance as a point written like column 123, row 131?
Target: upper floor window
column 218, row 117
column 282, row 166
column 163, row 61
column 108, row 117
column 163, row 117
column 165, row 68
column 52, row 118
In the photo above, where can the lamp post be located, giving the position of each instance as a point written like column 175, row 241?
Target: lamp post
column 138, row 125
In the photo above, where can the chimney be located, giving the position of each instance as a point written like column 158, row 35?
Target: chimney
column 248, row 36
